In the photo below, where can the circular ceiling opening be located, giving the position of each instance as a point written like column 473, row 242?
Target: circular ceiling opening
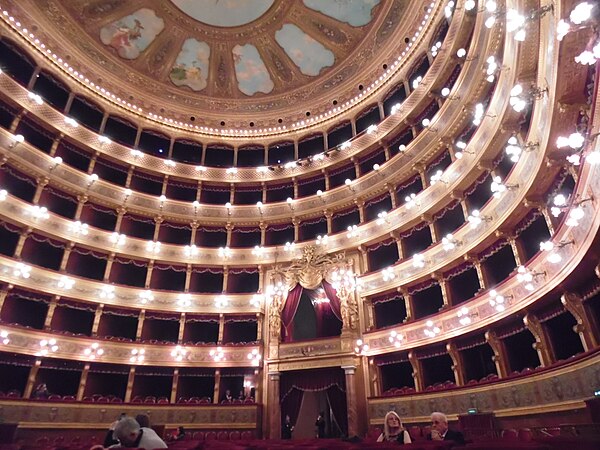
column 224, row 13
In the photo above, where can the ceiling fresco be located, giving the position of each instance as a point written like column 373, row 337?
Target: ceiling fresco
column 235, row 59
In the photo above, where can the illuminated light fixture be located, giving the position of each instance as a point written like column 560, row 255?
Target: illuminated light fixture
column 289, row 246
column 190, row 250
column 136, row 153
column 352, row 231
column 170, row 163
column 276, row 290
column 228, row 207
column 402, row 148
column 225, row 252
column 396, row 108
column 254, row 356
column 259, row 205
column 425, row 122
column 416, row 82
column 348, row 182
column 478, row 114
column 153, row 247
column 381, row 218
column 289, row 165
column 341, row 279
column 520, row 97
column 78, row 228
column 492, row 67
column 348, row 144
column 448, row 9
column 104, row 140
column 93, row 351
column 184, row 300
column 548, row 246
column 107, row 292
column 319, row 192
column 575, row 215
column 318, row 157
column 469, row 5
column 431, row 330
column 4, row 337
column 515, row 23
column 527, row 278
column 498, row 188
column 371, row 129
column 36, row 98
column 361, row 348
column 396, row 339
column 322, row 240
column 221, row 301
column 388, row 273
column 231, row 170
column 3, row 194
column 464, row 318
column 461, row 53
column 18, row 139
column 162, row 199
column 65, row 283
column 56, row 161
column 39, row 212
column 262, row 169
column 127, row 193
column 435, row 49
column 376, row 167
column 71, row 122
column 195, row 205
column 436, row 178
column 258, row 250
column 137, row 356
column 47, row 346
column 217, row 355
column 290, row 202
column 574, row 141
column 145, row 296
column 475, row 218
column 201, row 169
column 513, row 149
column 449, row 242
column 410, row 200
column 179, row 353
column 418, row 261
column 117, row 239
column 256, row 300
column 92, row 179
column 22, row 270
column 461, row 150
column 497, row 301
column 445, row 92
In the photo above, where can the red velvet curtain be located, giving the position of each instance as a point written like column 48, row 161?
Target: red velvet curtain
column 289, row 311
column 334, row 300
column 290, row 405
column 337, row 401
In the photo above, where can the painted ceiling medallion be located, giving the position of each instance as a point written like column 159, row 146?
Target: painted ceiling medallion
column 191, row 65
column 354, row 12
column 308, row 54
column 132, row 34
column 224, row 13
column 250, row 70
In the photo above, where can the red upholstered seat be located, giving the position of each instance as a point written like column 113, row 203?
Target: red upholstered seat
column 234, row 435
column 415, row 432
column 525, row 435
column 247, row 435
column 210, row 436
column 223, row 436
column 198, row 436
column 510, row 434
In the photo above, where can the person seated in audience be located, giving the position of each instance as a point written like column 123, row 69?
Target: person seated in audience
column 440, row 431
column 180, row 435
column 109, row 439
column 41, row 392
column 228, row 396
column 393, row 431
column 143, row 420
column 130, row 434
column 241, row 395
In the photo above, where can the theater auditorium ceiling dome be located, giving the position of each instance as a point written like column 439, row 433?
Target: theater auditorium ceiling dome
column 233, row 63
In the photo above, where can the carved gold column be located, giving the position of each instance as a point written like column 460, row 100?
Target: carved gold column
column 500, row 359
column 417, row 373
column 374, row 377
column 585, row 327
column 181, row 328
column 50, row 313
column 83, row 382
column 217, row 389
column 31, row 378
column 351, row 400
column 130, row 380
column 542, row 343
column 174, row 386
column 3, row 294
column 221, row 327
column 457, row 363
column 140, row 327
column 408, row 303
column 274, row 407
column 97, row 315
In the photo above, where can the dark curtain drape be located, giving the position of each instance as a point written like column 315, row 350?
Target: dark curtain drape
column 334, row 300
column 290, row 405
column 337, row 402
column 332, row 380
column 289, row 311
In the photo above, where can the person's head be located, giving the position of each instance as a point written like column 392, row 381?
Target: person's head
column 143, row 420
column 439, row 422
column 181, row 430
column 227, row 392
column 321, row 413
column 127, row 431
column 391, row 423
column 287, row 418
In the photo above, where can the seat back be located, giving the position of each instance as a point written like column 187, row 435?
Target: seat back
column 510, row 434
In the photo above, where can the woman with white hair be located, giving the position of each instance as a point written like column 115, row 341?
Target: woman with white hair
column 393, row 430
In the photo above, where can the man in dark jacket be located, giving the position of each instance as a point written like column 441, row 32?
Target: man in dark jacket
column 440, row 431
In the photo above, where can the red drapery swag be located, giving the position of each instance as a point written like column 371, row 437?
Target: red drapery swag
column 289, row 311
column 334, row 300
